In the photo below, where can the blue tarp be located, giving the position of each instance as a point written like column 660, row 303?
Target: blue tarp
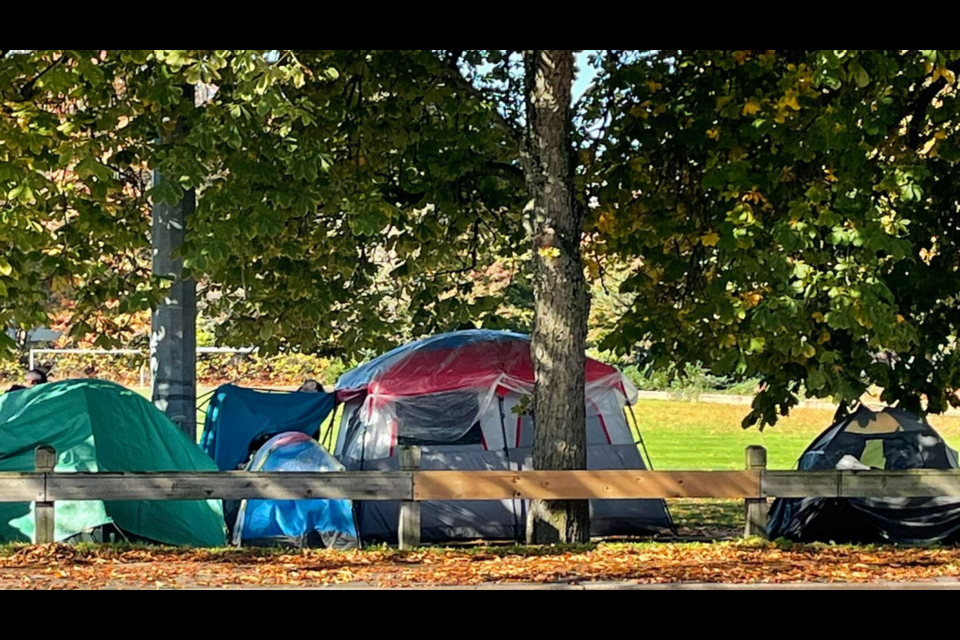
column 300, row 524
column 238, row 417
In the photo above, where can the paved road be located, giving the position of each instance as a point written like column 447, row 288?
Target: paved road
column 605, row 586
column 917, row 586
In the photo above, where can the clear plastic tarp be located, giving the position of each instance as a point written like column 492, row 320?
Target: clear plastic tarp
column 464, row 389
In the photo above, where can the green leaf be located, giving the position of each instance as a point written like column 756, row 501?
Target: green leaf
column 861, row 76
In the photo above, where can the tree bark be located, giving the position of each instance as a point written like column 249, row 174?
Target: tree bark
column 562, row 298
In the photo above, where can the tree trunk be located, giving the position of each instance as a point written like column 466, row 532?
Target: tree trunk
column 562, row 299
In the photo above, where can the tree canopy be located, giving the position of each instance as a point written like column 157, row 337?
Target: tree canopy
column 795, row 213
column 784, row 214
column 346, row 195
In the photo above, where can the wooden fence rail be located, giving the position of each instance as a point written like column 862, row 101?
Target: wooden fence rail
column 411, row 487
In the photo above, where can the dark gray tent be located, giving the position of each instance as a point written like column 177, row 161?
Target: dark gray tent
column 892, row 440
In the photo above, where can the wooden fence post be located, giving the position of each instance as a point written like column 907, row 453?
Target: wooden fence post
column 758, row 510
column 409, row 531
column 45, row 521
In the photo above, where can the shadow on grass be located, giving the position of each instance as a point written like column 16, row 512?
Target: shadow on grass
column 708, row 514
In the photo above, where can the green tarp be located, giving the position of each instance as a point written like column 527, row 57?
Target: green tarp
column 98, row 426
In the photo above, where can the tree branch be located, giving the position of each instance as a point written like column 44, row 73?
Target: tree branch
column 26, row 91
column 452, row 72
column 922, row 105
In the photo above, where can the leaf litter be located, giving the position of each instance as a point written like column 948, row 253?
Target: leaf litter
column 62, row 567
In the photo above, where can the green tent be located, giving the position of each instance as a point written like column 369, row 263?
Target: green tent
column 98, row 426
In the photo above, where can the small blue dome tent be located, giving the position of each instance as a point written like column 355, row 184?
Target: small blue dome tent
column 296, row 524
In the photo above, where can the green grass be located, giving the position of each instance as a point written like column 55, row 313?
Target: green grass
column 711, row 519
column 703, row 437
column 683, row 436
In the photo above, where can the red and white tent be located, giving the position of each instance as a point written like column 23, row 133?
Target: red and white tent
column 462, row 397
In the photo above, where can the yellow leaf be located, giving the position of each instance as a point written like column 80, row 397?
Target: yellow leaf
column 791, row 100
column 549, row 253
column 714, row 134
column 654, row 87
column 711, row 239
column 828, row 174
column 819, row 317
column 901, row 319
column 946, row 74
column 753, row 299
column 607, row 223
column 752, row 108
column 593, row 267
column 825, row 337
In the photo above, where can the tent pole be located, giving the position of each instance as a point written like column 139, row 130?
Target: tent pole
column 643, row 445
column 359, row 506
column 328, row 437
column 640, row 441
column 506, row 452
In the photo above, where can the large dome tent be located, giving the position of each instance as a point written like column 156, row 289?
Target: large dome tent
column 98, row 426
column 463, row 399
column 890, row 440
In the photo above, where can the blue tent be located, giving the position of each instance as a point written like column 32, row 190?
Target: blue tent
column 289, row 523
column 238, row 418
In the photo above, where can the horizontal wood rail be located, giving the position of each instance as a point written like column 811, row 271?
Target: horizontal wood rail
column 411, row 487
column 444, row 486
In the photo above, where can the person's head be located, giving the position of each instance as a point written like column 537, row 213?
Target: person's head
column 15, row 388
column 311, row 386
column 35, row 377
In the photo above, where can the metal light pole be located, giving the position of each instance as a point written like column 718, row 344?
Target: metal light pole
column 173, row 343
